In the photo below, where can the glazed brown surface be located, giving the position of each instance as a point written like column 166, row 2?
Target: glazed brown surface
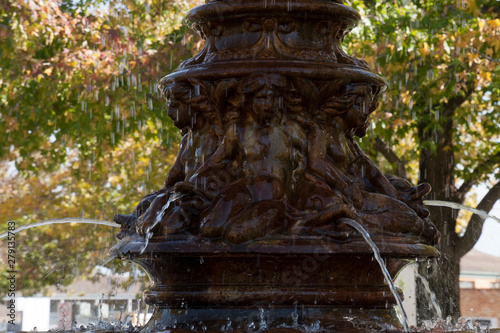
column 269, row 167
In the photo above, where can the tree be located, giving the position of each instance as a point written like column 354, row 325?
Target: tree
column 439, row 121
column 84, row 77
column 82, row 125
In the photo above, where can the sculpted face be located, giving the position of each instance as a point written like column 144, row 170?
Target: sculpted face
column 177, row 108
column 292, row 100
column 263, row 103
column 359, row 112
column 178, row 112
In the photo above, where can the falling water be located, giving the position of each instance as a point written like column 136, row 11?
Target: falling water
column 148, row 232
column 432, row 296
column 61, row 221
column 68, row 220
column 263, row 322
column 455, row 205
column 385, row 272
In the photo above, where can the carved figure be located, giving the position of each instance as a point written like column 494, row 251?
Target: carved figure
column 341, row 181
column 261, row 145
column 322, row 188
column 275, row 166
column 385, row 208
column 171, row 209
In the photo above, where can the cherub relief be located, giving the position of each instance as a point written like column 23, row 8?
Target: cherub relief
column 385, row 203
column 258, row 141
column 163, row 212
column 341, row 181
column 318, row 200
column 276, row 161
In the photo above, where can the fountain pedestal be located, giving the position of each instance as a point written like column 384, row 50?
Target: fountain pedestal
column 286, row 282
column 247, row 231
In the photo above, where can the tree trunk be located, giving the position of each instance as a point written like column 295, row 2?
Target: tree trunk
column 437, row 167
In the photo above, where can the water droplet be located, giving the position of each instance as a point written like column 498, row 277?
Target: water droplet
column 263, row 322
column 295, row 318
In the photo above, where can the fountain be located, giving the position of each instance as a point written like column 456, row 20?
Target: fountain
column 260, row 222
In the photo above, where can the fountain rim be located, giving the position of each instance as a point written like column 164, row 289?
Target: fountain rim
column 281, row 246
column 343, row 73
column 305, row 9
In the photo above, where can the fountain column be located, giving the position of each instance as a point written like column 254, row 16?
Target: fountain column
column 253, row 228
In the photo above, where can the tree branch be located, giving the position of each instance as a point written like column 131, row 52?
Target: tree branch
column 390, row 156
column 154, row 98
column 476, row 175
column 491, row 8
column 485, row 56
column 457, row 100
column 475, row 226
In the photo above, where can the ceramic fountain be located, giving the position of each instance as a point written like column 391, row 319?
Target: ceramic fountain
column 249, row 229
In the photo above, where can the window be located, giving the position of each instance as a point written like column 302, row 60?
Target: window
column 467, row 285
column 495, row 285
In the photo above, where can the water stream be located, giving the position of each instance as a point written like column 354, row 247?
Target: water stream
column 437, row 203
column 480, row 213
column 385, row 272
column 349, row 222
column 431, row 294
column 60, row 221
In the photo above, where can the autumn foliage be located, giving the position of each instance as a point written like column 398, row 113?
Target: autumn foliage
column 83, row 129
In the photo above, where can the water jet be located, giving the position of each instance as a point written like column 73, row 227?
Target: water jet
column 246, row 232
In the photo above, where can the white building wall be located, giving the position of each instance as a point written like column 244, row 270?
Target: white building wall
column 406, row 282
column 36, row 312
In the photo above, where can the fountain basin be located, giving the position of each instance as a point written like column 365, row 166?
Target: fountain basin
column 337, row 285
